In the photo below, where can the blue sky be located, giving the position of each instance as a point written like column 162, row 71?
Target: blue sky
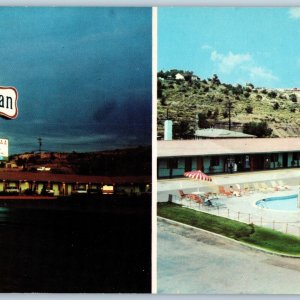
column 240, row 45
column 83, row 77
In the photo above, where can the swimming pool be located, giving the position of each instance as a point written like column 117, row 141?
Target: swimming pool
column 289, row 203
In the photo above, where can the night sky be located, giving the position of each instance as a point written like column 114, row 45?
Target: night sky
column 83, row 77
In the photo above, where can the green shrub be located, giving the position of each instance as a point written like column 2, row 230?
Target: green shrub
column 293, row 97
column 259, row 129
column 249, row 109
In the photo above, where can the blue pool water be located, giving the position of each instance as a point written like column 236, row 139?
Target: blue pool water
column 280, row 203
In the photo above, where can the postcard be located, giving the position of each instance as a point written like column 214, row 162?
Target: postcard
column 75, row 149
column 228, row 150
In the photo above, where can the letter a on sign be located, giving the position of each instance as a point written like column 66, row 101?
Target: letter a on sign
column 8, row 102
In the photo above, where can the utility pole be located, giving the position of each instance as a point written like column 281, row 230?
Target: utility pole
column 229, row 106
column 40, row 144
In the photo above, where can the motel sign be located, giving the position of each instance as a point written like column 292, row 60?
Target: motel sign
column 8, row 102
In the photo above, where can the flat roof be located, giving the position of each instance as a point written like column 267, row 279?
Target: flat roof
column 221, row 133
column 206, row 147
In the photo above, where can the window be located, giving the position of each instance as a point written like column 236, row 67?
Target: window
column 296, row 155
column 274, row 157
column 172, row 163
column 214, row 161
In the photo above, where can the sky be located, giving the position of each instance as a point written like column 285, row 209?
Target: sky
column 241, row 45
column 83, row 77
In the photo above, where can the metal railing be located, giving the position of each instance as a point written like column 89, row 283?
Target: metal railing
column 219, row 209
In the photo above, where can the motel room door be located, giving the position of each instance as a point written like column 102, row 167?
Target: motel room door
column 284, row 160
column 200, row 164
column 257, row 162
column 188, row 164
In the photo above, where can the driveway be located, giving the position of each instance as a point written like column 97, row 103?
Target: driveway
column 190, row 261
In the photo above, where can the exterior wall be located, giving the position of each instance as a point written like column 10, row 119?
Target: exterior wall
column 164, row 171
column 162, row 168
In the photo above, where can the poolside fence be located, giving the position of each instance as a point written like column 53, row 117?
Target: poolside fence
column 220, row 209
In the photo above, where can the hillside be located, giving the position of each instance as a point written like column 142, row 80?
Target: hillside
column 183, row 100
column 120, row 162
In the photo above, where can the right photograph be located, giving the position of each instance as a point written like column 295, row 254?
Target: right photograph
column 228, row 150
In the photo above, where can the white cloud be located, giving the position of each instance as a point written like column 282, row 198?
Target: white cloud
column 228, row 63
column 206, row 47
column 294, row 13
column 241, row 65
column 261, row 73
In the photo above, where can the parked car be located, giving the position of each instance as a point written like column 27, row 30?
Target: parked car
column 12, row 190
column 79, row 191
column 94, row 191
column 48, row 192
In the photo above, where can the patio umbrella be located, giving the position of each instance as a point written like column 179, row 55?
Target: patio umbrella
column 199, row 175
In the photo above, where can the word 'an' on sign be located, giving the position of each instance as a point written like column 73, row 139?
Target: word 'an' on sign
column 8, row 102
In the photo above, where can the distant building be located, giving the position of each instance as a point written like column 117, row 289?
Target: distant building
column 195, row 78
column 179, row 76
column 215, row 133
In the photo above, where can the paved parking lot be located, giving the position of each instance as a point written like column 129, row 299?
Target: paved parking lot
column 191, row 261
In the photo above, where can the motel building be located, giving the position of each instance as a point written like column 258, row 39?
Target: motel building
column 66, row 184
column 226, row 155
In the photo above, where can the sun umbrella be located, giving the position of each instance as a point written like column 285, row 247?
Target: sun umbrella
column 199, row 175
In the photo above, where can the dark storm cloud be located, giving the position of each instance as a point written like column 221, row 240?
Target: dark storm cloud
column 83, row 76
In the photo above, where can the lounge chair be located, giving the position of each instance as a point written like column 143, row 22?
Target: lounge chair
column 247, row 188
column 259, row 188
column 195, row 198
column 266, row 187
column 238, row 192
column 276, row 186
column 223, row 192
column 281, row 183
column 182, row 194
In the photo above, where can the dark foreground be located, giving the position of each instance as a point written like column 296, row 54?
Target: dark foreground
column 76, row 245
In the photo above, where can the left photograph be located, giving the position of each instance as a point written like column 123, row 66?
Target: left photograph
column 75, row 149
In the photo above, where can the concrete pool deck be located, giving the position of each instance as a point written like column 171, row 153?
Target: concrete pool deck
column 241, row 208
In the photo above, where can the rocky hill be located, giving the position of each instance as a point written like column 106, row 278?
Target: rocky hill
column 192, row 102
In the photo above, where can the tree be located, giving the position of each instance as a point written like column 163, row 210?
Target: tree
column 259, row 129
column 215, row 79
column 159, row 89
column 202, row 121
column 249, row 109
column 272, row 94
column 276, row 106
column 183, row 130
column 293, row 98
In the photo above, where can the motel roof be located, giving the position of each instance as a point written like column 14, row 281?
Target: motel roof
column 71, row 178
column 206, row 147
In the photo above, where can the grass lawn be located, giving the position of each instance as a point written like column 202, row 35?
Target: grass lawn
column 247, row 233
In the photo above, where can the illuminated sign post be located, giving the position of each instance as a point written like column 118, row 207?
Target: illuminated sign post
column 8, row 110
column 3, row 149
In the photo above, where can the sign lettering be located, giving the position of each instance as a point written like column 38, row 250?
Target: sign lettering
column 8, row 102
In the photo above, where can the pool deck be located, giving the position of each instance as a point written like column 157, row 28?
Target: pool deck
column 241, row 208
